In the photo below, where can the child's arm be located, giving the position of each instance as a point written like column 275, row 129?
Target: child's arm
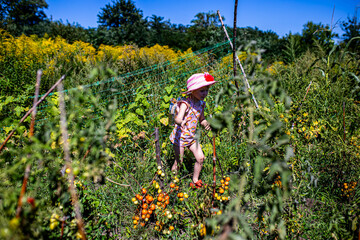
column 179, row 119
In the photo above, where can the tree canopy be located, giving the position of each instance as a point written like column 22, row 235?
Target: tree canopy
column 22, row 16
column 121, row 22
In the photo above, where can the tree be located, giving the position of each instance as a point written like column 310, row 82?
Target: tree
column 317, row 37
column 264, row 40
column 125, row 21
column 23, row 16
column 70, row 32
column 205, row 20
column 157, row 29
column 291, row 49
column 164, row 33
column 205, row 31
column 351, row 29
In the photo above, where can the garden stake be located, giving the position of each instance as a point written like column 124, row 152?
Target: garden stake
column 344, row 120
column 217, row 160
column 23, row 189
column 33, row 114
column 308, row 88
column 28, row 113
column 237, row 59
column 62, row 227
column 214, row 171
column 66, row 147
column 234, row 43
column 31, row 133
column 157, row 149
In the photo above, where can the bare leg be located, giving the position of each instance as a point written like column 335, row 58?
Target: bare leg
column 179, row 156
column 199, row 156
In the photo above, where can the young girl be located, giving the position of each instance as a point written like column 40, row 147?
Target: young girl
column 190, row 111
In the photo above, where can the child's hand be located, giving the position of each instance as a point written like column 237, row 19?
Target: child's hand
column 206, row 125
column 183, row 125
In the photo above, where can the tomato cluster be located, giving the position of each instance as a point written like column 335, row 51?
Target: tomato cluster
column 222, row 191
column 348, row 189
column 161, row 206
column 152, row 203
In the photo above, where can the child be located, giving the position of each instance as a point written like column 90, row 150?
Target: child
column 190, row 112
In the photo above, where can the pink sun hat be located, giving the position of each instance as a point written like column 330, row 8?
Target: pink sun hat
column 199, row 80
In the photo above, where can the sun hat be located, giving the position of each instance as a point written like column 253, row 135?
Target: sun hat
column 199, row 80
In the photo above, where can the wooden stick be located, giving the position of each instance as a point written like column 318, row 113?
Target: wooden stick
column 124, row 185
column 234, row 42
column 62, row 228
column 157, row 149
column 30, row 111
column 214, row 169
column 237, row 59
column 307, row 91
column 344, row 121
column 28, row 166
column 217, row 160
column 66, row 147
column 33, row 114
column 23, row 190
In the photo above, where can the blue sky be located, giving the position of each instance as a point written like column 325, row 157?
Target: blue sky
column 279, row 16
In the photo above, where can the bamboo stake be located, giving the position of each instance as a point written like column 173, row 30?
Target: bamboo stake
column 237, row 59
column 66, row 147
column 31, row 133
column 30, row 111
column 234, row 42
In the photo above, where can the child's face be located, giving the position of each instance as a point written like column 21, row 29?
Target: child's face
column 201, row 93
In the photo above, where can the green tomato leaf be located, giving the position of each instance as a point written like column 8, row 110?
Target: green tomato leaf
column 167, row 98
column 169, row 88
column 138, row 97
column 165, row 105
column 145, row 103
column 132, row 106
column 140, row 111
column 130, row 117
